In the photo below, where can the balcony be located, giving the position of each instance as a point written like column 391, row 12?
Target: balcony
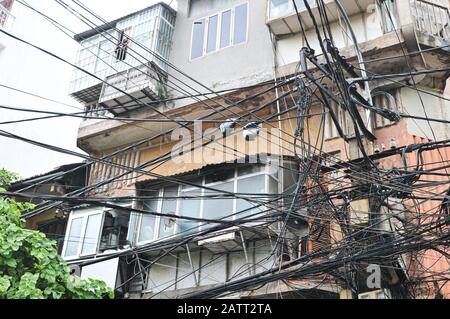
column 432, row 23
column 128, row 54
column 140, row 84
column 282, row 17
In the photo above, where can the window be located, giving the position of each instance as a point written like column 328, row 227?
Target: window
column 213, row 203
column 281, row 8
column 147, row 230
column 190, row 206
column 390, row 100
column 388, row 15
column 93, row 231
column 122, row 46
column 74, row 238
column 221, row 206
column 169, row 206
column 212, row 34
column 225, row 29
column 219, row 31
column 240, row 24
column 198, row 35
column 114, row 230
column 251, row 185
column 331, row 131
column 90, row 238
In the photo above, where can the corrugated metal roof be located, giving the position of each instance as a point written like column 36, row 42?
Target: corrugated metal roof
column 37, row 178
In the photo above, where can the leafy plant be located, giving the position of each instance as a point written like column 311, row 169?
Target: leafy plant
column 30, row 267
column 7, row 178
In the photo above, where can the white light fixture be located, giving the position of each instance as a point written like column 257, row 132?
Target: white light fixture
column 226, row 126
column 251, row 131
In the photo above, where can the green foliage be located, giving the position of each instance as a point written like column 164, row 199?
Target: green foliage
column 30, row 267
column 7, row 178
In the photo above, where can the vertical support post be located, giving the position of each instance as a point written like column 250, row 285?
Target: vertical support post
column 197, row 281
column 245, row 251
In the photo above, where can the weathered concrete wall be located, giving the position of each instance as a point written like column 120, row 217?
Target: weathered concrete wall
column 367, row 26
column 235, row 66
column 426, row 105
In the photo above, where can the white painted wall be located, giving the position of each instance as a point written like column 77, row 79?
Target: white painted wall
column 434, row 107
column 366, row 26
column 243, row 64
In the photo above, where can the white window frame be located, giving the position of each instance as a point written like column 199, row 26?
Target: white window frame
column 85, row 213
column 219, row 29
column 157, row 221
column 385, row 20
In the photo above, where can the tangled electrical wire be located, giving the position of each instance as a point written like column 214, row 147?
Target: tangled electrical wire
column 407, row 231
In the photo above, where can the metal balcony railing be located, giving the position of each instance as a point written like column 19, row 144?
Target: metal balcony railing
column 431, row 18
column 96, row 110
column 129, row 81
column 6, row 18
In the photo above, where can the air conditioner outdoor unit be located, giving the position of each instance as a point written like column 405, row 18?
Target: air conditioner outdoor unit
column 376, row 294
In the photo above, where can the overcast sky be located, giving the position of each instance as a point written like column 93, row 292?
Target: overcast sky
column 24, row 68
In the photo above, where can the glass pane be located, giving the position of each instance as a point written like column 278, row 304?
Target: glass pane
column 74, row 239
column 189, row 207
column 147, row 228
column 132, row 229
column 290, row 178
column 198, row 35
column 218, row 208
column 279, row 8
column 169, row 206
column 240, row 24
column 301, row 4
column 197, row 181
column 273, row 186
column 250, row 169
column 91, row 234
column 225, row 30
column 274, row 169
column 219, row 176
column 251, row 185
column 212, row 33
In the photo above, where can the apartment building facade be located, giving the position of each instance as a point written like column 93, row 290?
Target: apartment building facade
column 211, row 60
